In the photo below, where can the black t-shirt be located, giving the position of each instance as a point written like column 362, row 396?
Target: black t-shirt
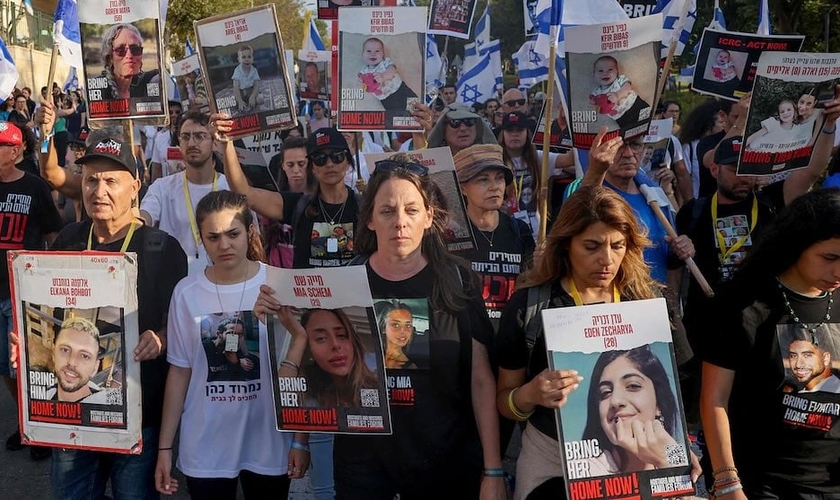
column 28, row 213
column 499, row 265
column 318, row 242
column 708, row 184
column 513, row 353
column 780, row 430
column 154, row 290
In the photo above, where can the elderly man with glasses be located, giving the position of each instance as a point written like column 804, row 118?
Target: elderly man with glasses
column 460, row 127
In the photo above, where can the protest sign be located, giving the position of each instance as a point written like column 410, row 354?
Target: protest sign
column 191, row 85
column 561, row 134
column 326, row 351
column 315, row 74
column 616, row 346
column 613, row 71
column 382, row 58
column 726, row 61
column 532, row 25
column 78, row 383
column 328, row 9
column 244, row 65
column 121, row 40
column 459, row 234
column 785, row 115
column 655, row 154
column 451, row 17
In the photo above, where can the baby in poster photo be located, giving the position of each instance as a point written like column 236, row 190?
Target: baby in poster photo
column 379, row 76
column 614, row 94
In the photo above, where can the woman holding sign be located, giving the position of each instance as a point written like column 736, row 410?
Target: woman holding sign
column 593, row 254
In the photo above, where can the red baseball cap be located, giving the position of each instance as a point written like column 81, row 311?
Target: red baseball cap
column 10, row 134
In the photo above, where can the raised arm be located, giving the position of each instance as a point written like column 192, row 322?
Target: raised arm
column 601, row 156
column 61, row 179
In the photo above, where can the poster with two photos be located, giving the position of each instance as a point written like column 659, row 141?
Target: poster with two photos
column 452, row 17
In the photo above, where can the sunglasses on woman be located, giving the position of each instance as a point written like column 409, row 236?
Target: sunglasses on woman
column 320, row 159
column 136, row 50
column 470, row 122
column 392, row 165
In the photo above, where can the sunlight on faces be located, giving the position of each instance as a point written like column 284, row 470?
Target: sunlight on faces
column 399, row 218
column 625, row 394
column 329, row 343
column 75, row 356
column 818, row 267
column 596, row 255
column 225, row 238
column 107, row 190
column 486, row 190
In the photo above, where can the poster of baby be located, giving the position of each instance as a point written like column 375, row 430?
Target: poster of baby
column 613, row 73
column 382, row 63
column 244, row 65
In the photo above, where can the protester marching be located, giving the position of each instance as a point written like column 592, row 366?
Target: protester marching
column 395, row 256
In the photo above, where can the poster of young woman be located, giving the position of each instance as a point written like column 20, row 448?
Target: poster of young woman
column 613, row 72
column 325, row 347
column 315, row 74
column 726, row 61
column 121, row 42
column 190, row 82
column 624, row 353
column 785, row 115
column 244, row 64
column 78, row 384
column 452, row 17
column 382, row 60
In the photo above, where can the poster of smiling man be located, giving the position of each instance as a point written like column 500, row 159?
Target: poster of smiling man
column 244, row 64
column 121, row 43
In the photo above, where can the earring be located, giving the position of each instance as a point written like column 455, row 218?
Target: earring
column 659, row 418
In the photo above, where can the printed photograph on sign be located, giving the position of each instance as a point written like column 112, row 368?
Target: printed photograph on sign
column 451, row 17
column 122, row 54
column 231, row 343
column 315, row 74
column 404, row 326
column 244, row 65
column 328, row 9
column 190, row 83
column 612, row 72
column 381, row 60
column 808, row 358
column 561, row 133
column 532, row 25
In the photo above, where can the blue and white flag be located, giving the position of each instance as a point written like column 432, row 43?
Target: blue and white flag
column 66, row 32
column 764, row 19
column 72, row 80
column 434, row 64
column 27, row 6
column 477, row 84
column 188, row 48
column 718, row 21
column 674, row 25
column 475, row 52
column 531, row 66
column 553, row 13
column 8, row 72
column 312, row 39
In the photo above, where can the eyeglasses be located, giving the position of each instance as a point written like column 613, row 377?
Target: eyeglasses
column 136, row 50
column 470, row 122
column 320, row 159
column 635, row 146
column 515, row 102
column 392, row 165
column 198, row 136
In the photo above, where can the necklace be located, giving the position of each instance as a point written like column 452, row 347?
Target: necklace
column 796, row 319
column 244, row 286
column 338, row 213
column 484, row 233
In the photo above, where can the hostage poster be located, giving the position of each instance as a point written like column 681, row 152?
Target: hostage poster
column 191, row 85
column 328, row 9
column 78, row 384
column 326, row 351
column 561, row 135
column 459, row 232
column 121, row 43
column 381, row 58
column 244, row 65
column 613, row 72
column 655, row 155
column 452, row 17
column 786, row 115
column 726, row 61
column 624, row 353
column 315, row 74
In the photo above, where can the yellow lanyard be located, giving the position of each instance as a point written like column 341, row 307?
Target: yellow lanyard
column 573, row 291
column 125, row 242
column 191, row 213
column 724, row 252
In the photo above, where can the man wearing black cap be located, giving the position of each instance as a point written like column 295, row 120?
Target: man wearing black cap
column 110, row 186
column 28, row 220
column 324, row 222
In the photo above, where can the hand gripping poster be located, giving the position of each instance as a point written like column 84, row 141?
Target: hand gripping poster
column 459, row 233
column 613, row 74
column 452, row 17
column 786, row 116
column 382, row 58
column 726, row 61
column 191, row 85
column 244, row 64
column 622, row 431
column 326, row 351
column 76, row 316
column 121, row 41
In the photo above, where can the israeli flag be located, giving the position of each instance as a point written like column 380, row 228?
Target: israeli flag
column 553, row 13
column 66, row 32
column 477, row 84
column 764, row 19
column 531, row 66
column 312, row 39
column 434, row 64
column 188, row 48
column 674, row 26
column 8, row 72
column 474, row 52
column 718, row 21
column 72, row 81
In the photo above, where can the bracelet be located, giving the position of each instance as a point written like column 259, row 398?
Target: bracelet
column 165, row 449
column 729, row 479
column 291, row 364
column 724, row 469
column 729, row 489
column 494, row 472
column 829, row 132
column 516, row 411
column 300, row 446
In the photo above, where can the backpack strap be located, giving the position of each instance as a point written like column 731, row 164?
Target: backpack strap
column 297, row 214
column 154, row 244
column 538, row 299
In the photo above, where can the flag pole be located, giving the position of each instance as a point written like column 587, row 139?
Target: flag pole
column 543, row 195
column 50, row 77
column 672, row 48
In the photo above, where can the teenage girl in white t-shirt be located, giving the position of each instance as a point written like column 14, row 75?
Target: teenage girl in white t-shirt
column 224, row 442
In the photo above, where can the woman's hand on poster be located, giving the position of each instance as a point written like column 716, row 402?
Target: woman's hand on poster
column 45, row 116
column 550, row 388
column 266, row 303
column 14, row 350
column 648, row 441
column 164, row 482
column 603, row 153
column 492, row 488
column 288, row 320
column 220, row 125
column 149, row 347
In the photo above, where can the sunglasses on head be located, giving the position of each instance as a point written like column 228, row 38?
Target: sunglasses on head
column 515, row 102
column 136, row 50
column 320, row 159
column 470, row 122
column 391, row 165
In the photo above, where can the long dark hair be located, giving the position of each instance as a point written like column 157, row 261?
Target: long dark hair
column 217, row 201
column 282, row 179
column 529, row 158
column 701, row 120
